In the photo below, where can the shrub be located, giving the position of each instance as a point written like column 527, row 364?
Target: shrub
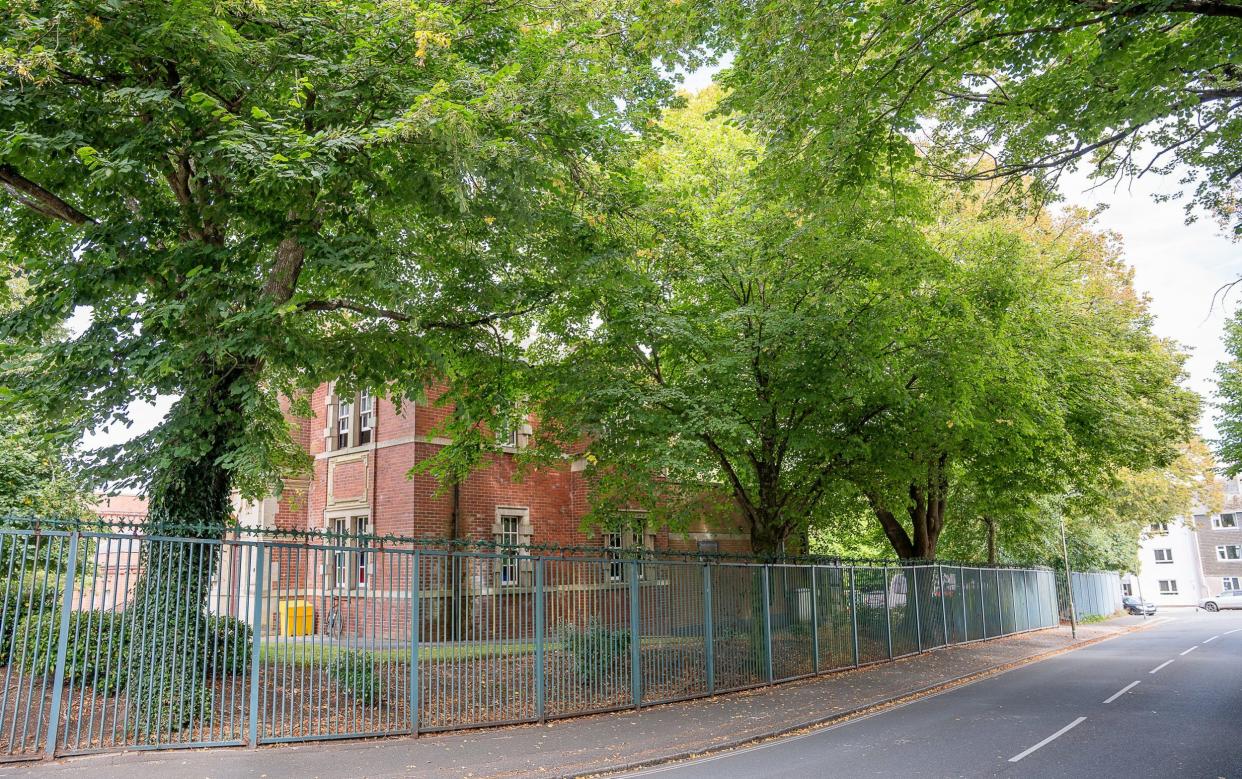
column 354, row 670
column 229, row 640
column 95, row 653
column 595, row 651
column 22, row 596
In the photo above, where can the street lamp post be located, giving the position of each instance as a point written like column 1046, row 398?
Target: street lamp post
column 1069, row 581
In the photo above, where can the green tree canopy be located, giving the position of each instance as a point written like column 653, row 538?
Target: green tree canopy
column 251, row 198
column 1016, row 90
column 898, row 345
column 1229, row 400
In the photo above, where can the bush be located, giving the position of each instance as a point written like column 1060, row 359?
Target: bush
column 355, row 671
column 95, row 654
column 22, row 596
column 229, row 640
column 595, row 651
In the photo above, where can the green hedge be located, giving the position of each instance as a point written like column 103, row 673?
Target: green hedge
column 230, row 641
column 595, row 652
column 22, row 596
column 355, row 671
column 95, row 653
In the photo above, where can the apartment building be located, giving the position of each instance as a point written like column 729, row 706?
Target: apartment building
column 1186, row 559
column 1169, row 569
column 1220, row 542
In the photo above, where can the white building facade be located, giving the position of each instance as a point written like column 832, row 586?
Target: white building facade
column 1170, row 571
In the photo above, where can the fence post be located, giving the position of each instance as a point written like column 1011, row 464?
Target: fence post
column 62, row 646
column 1000, row 612
column 709, row 643
column 961, row 593
column 257, row 618
column 540, row 629
column 918, row 619
column 944, row 607
column 888, row 615
column 1013, row 600
column 636, row 679
column 415, row 620
column 767, row 623
column 854, row 611
column 983, row 601
column 815, row 619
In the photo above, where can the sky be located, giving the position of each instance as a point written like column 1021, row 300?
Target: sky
column 1179, row 266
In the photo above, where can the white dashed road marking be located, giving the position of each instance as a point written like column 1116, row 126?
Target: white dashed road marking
column 1048, row 740
column 1193, row 648
column 1121, row 692
column 1157, row 668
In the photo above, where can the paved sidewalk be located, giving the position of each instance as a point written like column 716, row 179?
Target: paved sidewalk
column 587, row 744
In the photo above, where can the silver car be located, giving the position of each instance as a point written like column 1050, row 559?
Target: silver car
column 1228, row 599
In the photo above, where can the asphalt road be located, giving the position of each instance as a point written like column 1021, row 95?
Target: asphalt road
column 1162, row 702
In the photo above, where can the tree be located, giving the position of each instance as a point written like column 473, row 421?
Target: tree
column 1229, row 405
column 1043, row 378
column 1104, row 527
column 806, row 351
column 252, row 198
column 1012, row 90
column 740, row 339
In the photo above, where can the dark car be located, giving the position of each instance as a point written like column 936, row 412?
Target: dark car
column 1136, row 606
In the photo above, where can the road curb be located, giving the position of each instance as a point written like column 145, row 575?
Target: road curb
column 844, row 716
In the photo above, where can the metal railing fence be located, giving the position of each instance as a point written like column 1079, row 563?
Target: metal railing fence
column 1096, row 593
column 299, row 639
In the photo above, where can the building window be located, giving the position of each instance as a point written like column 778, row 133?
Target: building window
column 349, row 554
column 613, row 544
column 634, row 537
column 1225, row 522
column 1126, row 589
column 1229, row 552
column 512, row 534
column 1159, row 527
column 344, row 423
column 1168, row 586
column 1164, row 555
column 1232, row 583
column 507, row 438
column 366, row 417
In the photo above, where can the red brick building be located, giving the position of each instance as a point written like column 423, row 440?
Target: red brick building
column 363, row 481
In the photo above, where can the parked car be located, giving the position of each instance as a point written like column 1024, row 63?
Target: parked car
column 1136, row 606
column 1228, row 599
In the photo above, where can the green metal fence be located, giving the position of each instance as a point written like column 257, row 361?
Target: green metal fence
column 325, row 638
column 1096, row 593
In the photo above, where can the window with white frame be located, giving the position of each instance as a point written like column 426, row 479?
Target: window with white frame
column 353, row 423
column 1225, row 522
column 631, row 540
column 366, row 417
column 344, row 423
column 1159, row 527
column 1164, row 556
column 614, row 543
column 1168, row 586
column 512, row 534
column 1229, row 552
column 1231, row 583
column 349, row 564
column 1126, row 589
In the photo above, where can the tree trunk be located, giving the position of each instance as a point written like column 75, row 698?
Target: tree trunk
column 990, row 523
column 170, row 637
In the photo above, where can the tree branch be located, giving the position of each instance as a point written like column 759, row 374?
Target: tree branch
column 338, row 304
column 39, row 199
